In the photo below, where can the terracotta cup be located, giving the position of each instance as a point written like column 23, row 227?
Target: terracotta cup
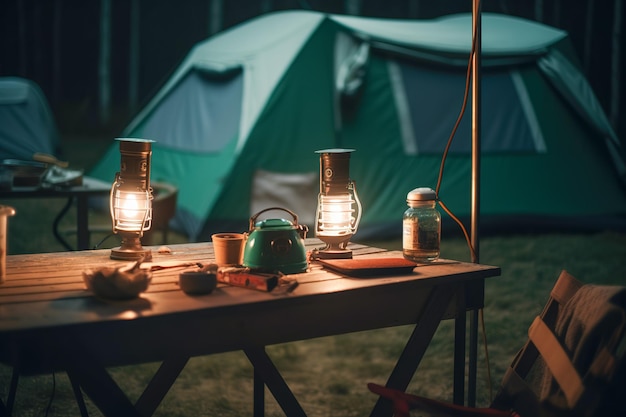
column 228, row 248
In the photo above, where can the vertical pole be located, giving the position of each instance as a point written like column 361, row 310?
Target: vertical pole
column 616, row 72
column 56, row 45
column 215, row 16
column 353, row 7
column 475, row 192
column 23, row 50
column 133, row 59
column 104, row 64
column 476, row 113
column 539, row 10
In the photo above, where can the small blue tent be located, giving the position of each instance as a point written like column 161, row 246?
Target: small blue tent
column 26, row 122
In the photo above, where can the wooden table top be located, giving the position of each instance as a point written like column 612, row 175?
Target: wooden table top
column 44, row 302
column 37, row 285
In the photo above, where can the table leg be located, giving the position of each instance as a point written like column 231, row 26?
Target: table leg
column 85, row 372
column 102, row 389
column 274, row 381
column 411, row 356
column 78, row 394
column 82, row 222
column 15, row 377
column 160, row 384
column 57, row 220
column 259, row 395
column 458, row 395
column 473, row 357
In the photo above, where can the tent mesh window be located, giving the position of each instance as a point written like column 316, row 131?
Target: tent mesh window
column 509, row 122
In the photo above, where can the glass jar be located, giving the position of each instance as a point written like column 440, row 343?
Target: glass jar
column 421, row 226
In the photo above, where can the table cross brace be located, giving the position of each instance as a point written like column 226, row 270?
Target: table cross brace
column 416, row 346
column 265, row 369
column 95, row 380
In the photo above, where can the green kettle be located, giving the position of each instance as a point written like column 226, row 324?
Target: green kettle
column 276, row 245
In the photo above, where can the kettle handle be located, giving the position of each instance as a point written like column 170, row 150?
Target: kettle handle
column 254, row 217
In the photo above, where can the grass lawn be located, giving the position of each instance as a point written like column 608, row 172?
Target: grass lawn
column 329, row 375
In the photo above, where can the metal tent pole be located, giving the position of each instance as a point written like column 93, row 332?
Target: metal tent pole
column 476, row 78
column 475, row 192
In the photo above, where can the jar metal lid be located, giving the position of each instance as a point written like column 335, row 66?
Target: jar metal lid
column 421, row 194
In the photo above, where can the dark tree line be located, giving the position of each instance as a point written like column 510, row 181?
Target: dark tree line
column 98, row 61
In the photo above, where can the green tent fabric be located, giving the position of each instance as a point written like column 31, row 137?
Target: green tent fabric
column 238, row 123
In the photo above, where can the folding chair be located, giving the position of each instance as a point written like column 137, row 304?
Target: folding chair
column 571, row 365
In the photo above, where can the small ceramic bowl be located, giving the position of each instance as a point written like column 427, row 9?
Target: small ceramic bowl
column 197, row 282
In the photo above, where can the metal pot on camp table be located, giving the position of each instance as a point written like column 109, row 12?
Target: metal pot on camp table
column 276, row 245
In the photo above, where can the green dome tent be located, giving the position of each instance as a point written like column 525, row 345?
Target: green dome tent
column 238, row 123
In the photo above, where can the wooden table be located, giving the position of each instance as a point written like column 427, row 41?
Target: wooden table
column 49, row 322
column 91, row 187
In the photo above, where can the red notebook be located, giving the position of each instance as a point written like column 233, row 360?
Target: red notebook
column 369, row 267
